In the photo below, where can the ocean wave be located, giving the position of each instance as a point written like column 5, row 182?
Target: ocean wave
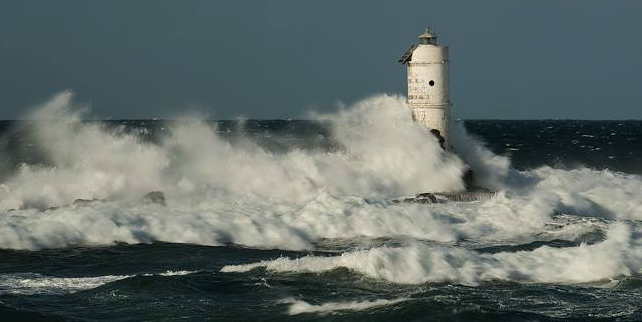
column 218, row 191
column 299, row 306
column 383, row 153
column 620, row 254
column 32, row 283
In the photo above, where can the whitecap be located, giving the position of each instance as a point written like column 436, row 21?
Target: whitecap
column 619, row 255
column 299, row 306
column 32, row 283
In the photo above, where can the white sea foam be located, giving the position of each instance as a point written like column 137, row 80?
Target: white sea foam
column 177, row 273
column 619, row 255
column 31, row 283
column 299, row 307
column 385, row 154
column 221, row 191
column 275, row 199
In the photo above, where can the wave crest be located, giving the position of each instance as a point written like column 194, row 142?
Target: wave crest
column 619, row 255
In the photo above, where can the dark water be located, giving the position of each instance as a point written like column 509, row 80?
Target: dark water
column 206, row 294
column 183, row 282
column 614, row 145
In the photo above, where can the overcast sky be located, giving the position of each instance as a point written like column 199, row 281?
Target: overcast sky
column 280, row 59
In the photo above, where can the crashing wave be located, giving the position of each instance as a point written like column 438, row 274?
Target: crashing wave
column 218, row 191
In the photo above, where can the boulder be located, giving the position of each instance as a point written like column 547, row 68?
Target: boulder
column 157, row 197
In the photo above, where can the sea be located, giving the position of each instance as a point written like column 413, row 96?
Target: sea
column 193, row 219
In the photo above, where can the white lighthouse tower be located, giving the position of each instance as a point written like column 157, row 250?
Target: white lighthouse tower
column 429, row 85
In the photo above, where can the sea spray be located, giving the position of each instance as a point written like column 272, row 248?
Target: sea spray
column 384, row 155
column 220, row 191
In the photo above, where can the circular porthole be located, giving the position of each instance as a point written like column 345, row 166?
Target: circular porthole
column 431, row 83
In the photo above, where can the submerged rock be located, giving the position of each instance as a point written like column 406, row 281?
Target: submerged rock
column 157, row 197
column 474, row 194
column 466, row 196
column 83, row 202
column 426, row 197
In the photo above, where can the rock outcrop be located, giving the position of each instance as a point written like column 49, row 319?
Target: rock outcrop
column 157, row 197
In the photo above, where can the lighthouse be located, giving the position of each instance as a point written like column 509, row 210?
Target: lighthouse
column 429, row 86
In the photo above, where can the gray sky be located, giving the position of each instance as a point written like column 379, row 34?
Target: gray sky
column 279, row 59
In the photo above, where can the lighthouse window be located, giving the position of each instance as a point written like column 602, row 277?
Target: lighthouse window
column 432, row 83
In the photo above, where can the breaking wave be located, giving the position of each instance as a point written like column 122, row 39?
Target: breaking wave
column 383, row 153
column 619, row 255
column 205, row 178
column 219, row 191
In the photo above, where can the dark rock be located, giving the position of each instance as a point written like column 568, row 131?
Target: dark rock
column 478, row 194
column 440, row 138
column 469, row 179
column 466, row 196
column 157, row 197
column 83, row 202
column 425, row 197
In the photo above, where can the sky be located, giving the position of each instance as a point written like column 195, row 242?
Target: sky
column 514, row 59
